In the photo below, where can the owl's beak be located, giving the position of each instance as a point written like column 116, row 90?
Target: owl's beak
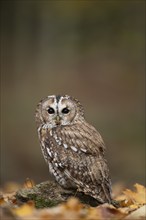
column 57, row 120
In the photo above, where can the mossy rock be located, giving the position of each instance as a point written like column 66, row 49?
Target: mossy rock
column 48, row 194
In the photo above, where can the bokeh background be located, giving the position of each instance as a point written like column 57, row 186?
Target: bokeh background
column 92, row 50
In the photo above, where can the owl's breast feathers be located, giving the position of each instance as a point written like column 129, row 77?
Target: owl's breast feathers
column 77, row 153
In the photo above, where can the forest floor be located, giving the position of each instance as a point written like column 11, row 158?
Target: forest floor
column 45, row 202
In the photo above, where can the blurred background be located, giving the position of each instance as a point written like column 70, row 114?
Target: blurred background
column 92, row 50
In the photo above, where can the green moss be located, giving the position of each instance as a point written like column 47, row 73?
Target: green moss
column 42, row 202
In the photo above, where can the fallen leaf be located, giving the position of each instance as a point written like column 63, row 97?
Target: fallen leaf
column 110, row 212
column 24, row 210
column 138, row 214
column 130, row 207
column 139, row 196
column 73, row 204
column 2, row 201
column 29, row 183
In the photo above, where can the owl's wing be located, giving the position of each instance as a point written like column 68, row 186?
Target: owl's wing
column 83, row 137
column 84, row 161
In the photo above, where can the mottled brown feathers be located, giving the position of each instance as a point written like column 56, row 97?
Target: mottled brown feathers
column 72, row 148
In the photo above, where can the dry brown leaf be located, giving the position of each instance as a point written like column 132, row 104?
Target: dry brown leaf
column 138, row 214
column 2, row 201
column 139, row 196
column 28, row 183
column 133, row 199
column 73, row 209
column 8, row 199
column 125, row 202
column 110, row 212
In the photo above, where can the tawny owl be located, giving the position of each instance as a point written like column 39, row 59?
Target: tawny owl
column 72, row 148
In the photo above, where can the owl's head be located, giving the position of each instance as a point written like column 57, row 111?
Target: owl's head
column 56, row 110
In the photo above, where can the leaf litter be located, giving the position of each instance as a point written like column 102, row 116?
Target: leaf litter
column 132, row 205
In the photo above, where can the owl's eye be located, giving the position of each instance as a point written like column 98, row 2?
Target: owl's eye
column 51, row 110
column 65, row 110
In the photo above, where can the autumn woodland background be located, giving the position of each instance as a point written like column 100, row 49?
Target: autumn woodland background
column 92, row 50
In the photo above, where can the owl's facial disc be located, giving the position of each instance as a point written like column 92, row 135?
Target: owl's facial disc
column 58, row 110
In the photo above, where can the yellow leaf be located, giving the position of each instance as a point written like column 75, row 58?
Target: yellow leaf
column 73, row 204
column 24, row 210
